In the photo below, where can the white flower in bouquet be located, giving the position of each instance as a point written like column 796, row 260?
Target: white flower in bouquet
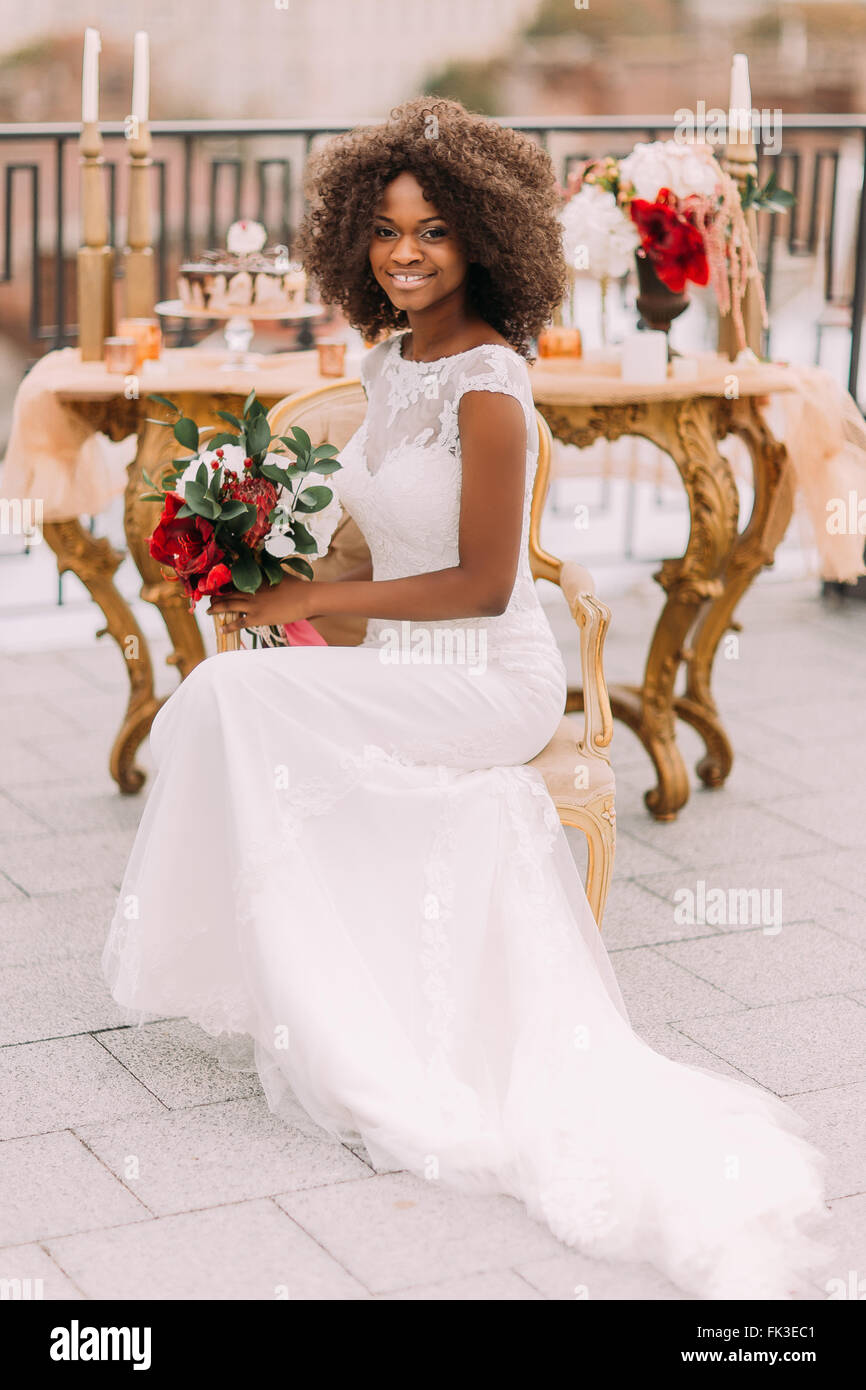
column 321, row 525
column 595, row 229
column 244, row 238
column 683, row 168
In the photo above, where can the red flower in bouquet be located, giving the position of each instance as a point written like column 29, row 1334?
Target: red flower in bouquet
column 189, row 546
column 671, row 241
column 263, row 495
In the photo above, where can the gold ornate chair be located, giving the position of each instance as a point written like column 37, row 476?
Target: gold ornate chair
column 575, row 764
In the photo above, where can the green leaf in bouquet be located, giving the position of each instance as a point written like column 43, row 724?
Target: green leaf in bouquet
column 298, row 442
column 232, row 419
column 313, row 499
column 163, row 400
column 151, row 420
column 186, row 433
column 326, row 451
column 151, row 497
column 325, row 467
column 185, row 510
column 249, row 401
column 219, row 440
column 258, row 435
column 246, row 574
column 272, row 567
column 193, row 492
column 241, row 521
column 304, row 542
column 232, row 509
column 283, row 476
column 201, row 475
column 301, row 566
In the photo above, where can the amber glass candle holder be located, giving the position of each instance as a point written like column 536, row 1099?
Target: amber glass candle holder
column 120, row 355
column 558, row 341
column 332, row 358
column 148, row 338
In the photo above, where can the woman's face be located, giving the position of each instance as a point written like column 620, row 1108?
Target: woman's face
column 414, row 254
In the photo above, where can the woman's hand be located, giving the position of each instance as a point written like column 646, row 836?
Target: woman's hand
column 286, row 602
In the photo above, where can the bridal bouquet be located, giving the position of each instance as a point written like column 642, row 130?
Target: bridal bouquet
column 676, row 206
column 238, row 510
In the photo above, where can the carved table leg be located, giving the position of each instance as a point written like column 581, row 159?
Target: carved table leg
column 754, row 549
column 156, row 448
column 687, row 431
column 95, row 561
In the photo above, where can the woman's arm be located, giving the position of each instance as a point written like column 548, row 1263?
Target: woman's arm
column 493, row 446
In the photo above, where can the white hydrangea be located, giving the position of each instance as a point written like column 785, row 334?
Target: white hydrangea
column 683, row 168
column 597, row 235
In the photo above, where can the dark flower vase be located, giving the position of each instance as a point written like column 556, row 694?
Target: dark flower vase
column 658, row 306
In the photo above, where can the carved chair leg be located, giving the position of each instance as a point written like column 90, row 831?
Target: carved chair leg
column 597, row 821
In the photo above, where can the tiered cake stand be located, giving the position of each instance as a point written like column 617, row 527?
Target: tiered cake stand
column 239, row 324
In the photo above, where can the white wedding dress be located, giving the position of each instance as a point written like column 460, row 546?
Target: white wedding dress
column 344, row 857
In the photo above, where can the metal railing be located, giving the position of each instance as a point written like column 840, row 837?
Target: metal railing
column 207, row 173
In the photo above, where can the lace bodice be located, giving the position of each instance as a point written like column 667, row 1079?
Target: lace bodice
column 401, row 482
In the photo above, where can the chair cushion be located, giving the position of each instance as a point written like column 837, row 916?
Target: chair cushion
column 560, row 763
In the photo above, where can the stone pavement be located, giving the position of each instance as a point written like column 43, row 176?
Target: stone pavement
column 133, row 1165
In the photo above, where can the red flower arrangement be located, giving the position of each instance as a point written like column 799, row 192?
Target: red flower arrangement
column 670, row 239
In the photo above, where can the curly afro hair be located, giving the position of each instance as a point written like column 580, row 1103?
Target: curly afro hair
column 494, row 186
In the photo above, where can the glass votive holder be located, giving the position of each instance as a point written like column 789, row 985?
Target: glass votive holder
column 332, row 358
column 556, row 340
column 148, row 337
column 120, row 355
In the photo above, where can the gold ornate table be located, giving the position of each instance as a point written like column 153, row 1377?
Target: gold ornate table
column 686, row 419
column 65, row 399
column 81, row 398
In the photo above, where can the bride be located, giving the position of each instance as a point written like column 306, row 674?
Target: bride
column 343, row 854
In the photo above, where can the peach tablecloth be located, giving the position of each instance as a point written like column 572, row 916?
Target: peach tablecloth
column 54, row 455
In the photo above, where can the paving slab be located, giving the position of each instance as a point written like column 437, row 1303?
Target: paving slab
column 53, row 926
column 187, row 1159
column 29, row 1272
column 174, row 1059
column 245, row 1250
column 51, row 998
column 659, row 991
column 51, row 863
column 501, row 1286
column 789, row 1048
column 759, row 966
column 54, row 1085
column 52, row 1185
column 396, row 1231
column 837, row 1117
column 575, row 1278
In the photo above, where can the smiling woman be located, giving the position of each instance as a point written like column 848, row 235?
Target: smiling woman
column 488, row 202
column 381, row 893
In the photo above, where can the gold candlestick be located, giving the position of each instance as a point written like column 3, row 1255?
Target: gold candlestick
column 138, row 261
column 95, row 256
column 740, row 160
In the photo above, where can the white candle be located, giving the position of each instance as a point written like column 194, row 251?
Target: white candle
column 141, row 77
column 645, row 357
column 90, row 77
column 740, row 103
